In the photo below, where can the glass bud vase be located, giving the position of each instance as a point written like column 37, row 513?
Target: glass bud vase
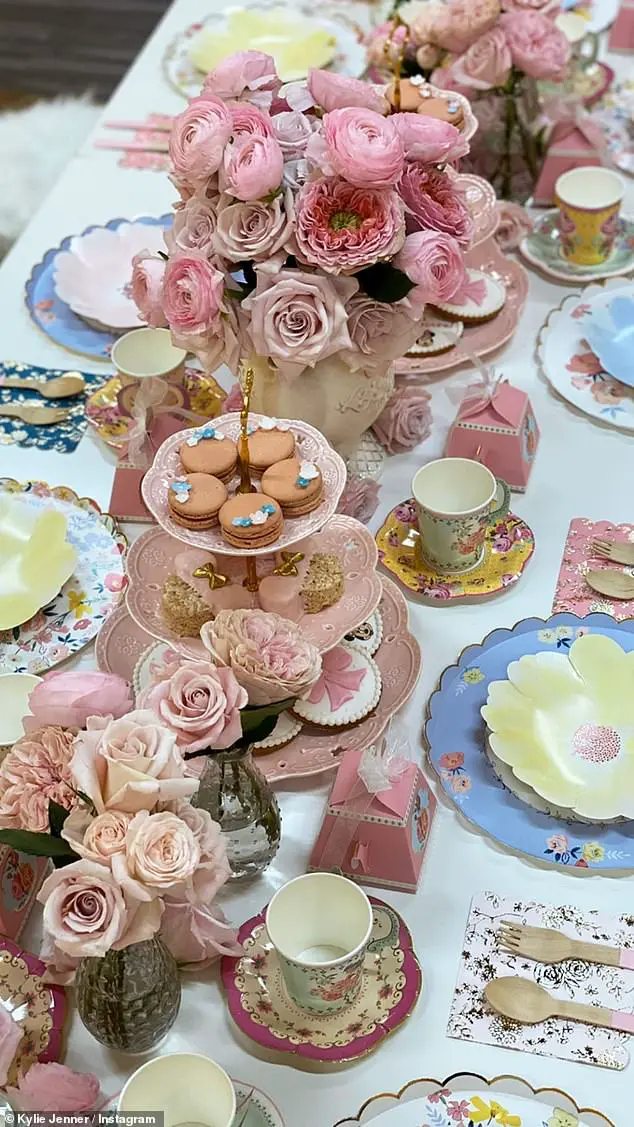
column 236, row 794
column 129, row 999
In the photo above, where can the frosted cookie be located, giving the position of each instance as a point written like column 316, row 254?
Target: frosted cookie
column 183, row 609
column 195, row 500
column 479, row 299
column 208, row 451
column 436, row 338
column 269, row 441
column 368, row 635
column 297, row 486
column 250, row 520
column 285, row 730
column 347, row 690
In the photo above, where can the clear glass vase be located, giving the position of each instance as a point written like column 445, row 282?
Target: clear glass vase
column 238, row 797
column 129, row 999
column 506, row 150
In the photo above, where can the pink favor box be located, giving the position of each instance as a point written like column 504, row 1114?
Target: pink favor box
column 501, row 432
column 622, row 30
column 20, row 880
column 568, row 148
column 376, row 839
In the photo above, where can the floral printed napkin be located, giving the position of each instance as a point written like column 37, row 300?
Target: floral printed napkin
column 471, row 1018
column 572, row 592
column 64, row 437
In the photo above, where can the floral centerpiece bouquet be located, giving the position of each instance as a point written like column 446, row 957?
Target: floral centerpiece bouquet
column 303, row 241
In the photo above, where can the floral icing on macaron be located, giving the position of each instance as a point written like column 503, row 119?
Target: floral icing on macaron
column 182, row 490
column 260, row 516
column 307, row 472
column 268, row 423
column 206, row 432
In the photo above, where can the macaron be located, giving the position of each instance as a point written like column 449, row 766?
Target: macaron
column 250, row 520
column 269, row 441
column 297, row 486
column 206, row 450
column 195, row 500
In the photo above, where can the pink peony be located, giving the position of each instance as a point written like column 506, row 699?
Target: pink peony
column 515, row 223
column 253, row 167
column 200, row 704
column 342, row 228
column 55, row 1088
column 460, row 22
column 433, row 203
column 433, row 261
column 68, row 699
column 293, row 131
column 192, row 294
column 36, row 770
column 197, row 934
column 268, row 654
column 193, row 227
column 360, row 498
column 253, row 231
column 336, row 91
column 360, row 146
column 405, row 420
column 96, row 839
column 428, row 139
column 248, row 120
column 380, row 331
column 486, row 63
column 147, row 288
column 537, row 47
column 245, row 74
column 198, row 139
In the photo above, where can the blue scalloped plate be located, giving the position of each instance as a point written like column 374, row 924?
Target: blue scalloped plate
column 55, row 317
column 455, row 735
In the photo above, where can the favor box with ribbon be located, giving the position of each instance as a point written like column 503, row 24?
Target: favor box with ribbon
column 572, row 144
column 376, row 838
column 20, row 879
column 498, row 428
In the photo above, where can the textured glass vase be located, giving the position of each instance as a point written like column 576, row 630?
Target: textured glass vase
column 506, row 150
column 129, row 999
column 238, row 797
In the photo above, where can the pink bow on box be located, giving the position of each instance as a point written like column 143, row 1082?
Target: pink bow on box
column 148, row 405
column 337, row 680
column 473, row 397
column 564, row 115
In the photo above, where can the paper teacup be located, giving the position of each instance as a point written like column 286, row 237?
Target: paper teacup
column 145, row 356
column 584, row 44
column 186, row 1087
column 320, row 926
column 589, row 201
column 456, row 500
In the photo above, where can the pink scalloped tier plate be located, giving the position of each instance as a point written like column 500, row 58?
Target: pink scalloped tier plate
column 152, row 558
column 482, row 202
column 120, row 643
column 259, row 1005
column 490, row 335
column 311, row 447
column 36, row 1005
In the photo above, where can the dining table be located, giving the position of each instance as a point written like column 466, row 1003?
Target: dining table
column 582, row 469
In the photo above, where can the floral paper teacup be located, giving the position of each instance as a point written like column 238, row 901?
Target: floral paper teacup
column 589, row 201
column 456, row 501
column 320, row 926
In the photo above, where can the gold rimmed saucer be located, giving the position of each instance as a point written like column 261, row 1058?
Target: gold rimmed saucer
column 200, row 393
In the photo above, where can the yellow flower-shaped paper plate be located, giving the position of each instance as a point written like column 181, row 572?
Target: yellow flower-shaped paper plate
column 35, row 558
column 564, row 723
column 295, row 42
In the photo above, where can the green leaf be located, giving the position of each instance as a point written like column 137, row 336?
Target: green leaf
column 383, row 282
column 57, row 815
column 37, row 845
column 254, row 715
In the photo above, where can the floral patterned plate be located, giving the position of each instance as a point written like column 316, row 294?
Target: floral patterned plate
column 258, row 1003
column 455, row 734
column 564, row 359
column 509, row 546
column 542, row 248
column 201, row 393
column 84, row 603
column 468, row 1108
column 35, row 1005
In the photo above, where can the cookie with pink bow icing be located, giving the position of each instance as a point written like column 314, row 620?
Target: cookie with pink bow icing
column 348, row 689
column 479, row 299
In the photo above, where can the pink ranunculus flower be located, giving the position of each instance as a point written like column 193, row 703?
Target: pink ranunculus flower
column 253, row 231
column 161, row 854
column 342, row 228
column 36, row 770
column 429, row 140
column 405, row 420
column 129, row 764
column 360, row 498
column 486, row 63
column 197, row 934
column 193, row 227
column 361, row 146
column 250, row 75
column 67, row 699
column 434, row 203
column 193, row 291
column 434, row 262
column 380, row 331
column 147, row 288
column 55, row 1088
column 198, row 139
column 96, row 839
column 460, row 22
column 223, row 344
column 538, row 48
column 293, row 131
column 298, row 318
column 87, row 913
column 268, row 654
column 248, row 120
column 336, row 91
column 253, row 167
column 200, row 704
column 515, row 223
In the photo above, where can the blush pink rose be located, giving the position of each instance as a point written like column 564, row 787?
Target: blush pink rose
column 147, row 288
column 55, row 1088
column 360, row 498
column 224, row 343
column 193, row 290
column 380, row 331
column 293, row 131
column 67, row 699
column 93, row 838
column 248, row 120
column 253, row 231
column 342, row 228
column 196, row 934
column 268, row 654
column 433, row 203
column 198, row 139
column 36, row 770
column 537, row 47
column 429, row 140
column 193, row 227
column 253, row 167
column 460, row 22
column 434, row 262
column 161, row 854
column 487, row 62
column 359, row 145
column 245, row 74
column 405, row 420
column 515, row 223
column 336, row 91
column 200, row 704
column 213, row 870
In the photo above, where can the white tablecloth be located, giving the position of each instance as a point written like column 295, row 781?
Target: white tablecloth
column 581, row 469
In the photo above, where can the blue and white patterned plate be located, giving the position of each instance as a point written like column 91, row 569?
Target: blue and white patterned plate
column 63, row 437
column 55, row 317
column 455, row 734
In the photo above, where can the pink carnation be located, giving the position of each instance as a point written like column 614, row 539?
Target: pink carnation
column 199, row 704
column 336, row 91
column 405, row 420
column 245, row 74
column 36, row 770
column 434, row 203
column 428, row 139
column 360, row 146
column 360, row 498
column 192, row 294
column 537, row 47
column 253, row 167
column 198, row 139
column 433, row 261
column 147, row 288
column 342, row 228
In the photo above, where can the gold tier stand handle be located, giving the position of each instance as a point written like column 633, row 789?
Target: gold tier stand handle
column 251, row 582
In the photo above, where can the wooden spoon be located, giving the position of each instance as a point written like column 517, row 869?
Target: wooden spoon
column 523, row 1000
column 34, row 416
column 61, row 387
column 614, row 584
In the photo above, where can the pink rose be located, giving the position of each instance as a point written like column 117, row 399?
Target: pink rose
column 342, row 228
column 200, row 704
column 224, row 343
column 298, row 318
column 434, row 203
column 360, row 146
column 429, row 140
column 433, row 261
column 423, row 20
column 198, row 139
column 253, row 231
column 253, row 167
column 96, row 839
column 55, row 1088
column 268, row 654
column 360, row 498
column 486, row 63
column 245, row 74
column 537, row 47
column 11, row 1034
column 405, row 420
column 197, row 934
column 461, row 22
column 515, row 223
column 193, row 227
column 381, row 37
column 558, row 843
column 67, row 699
column 147, row 288
column 293, row 131
column 129, row 764
column 248, row 120
column 336, row 91
column 161, row 854
column 214, row 870
column 36, row 770
column 380, row 331
column 192, row 294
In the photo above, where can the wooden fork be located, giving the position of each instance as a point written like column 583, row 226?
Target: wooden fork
column 614, row 550
column 546, row 945
column 34, row 416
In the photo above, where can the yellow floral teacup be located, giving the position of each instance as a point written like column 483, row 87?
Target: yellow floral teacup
column 589, row 201
column 456, row 500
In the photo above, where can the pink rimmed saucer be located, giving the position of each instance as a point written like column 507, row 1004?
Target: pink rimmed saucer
column 260, row 1007
column 37, row 1007
column 151, row 560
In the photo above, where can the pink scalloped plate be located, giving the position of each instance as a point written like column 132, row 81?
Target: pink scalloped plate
column 486, row 337
column 36, row 1005
column 311, row 447
column 120, row 643
column 482, row 202
column 152, row 558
